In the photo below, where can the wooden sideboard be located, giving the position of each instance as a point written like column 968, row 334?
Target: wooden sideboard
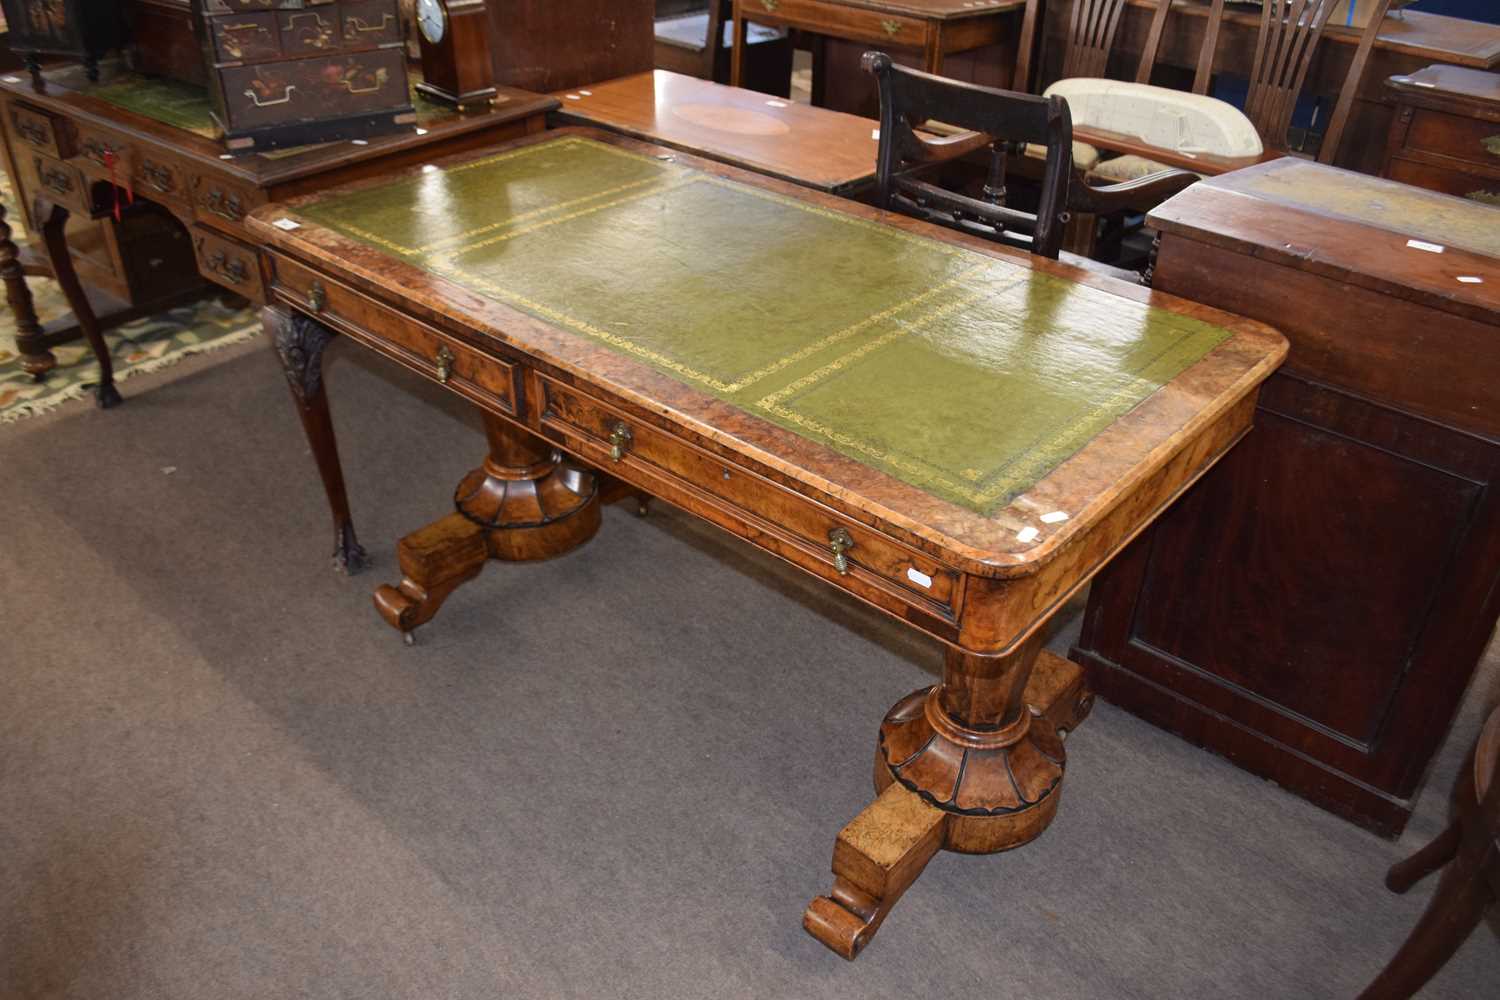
column 1447, row 132
column 1313, row 609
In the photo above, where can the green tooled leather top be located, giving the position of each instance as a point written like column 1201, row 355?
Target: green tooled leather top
column 967, row 376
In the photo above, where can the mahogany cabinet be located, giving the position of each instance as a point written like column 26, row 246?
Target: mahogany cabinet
column 547, row 45
column 1314, row 607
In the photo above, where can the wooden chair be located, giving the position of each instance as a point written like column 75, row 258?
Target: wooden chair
column 1000, row 121
column 1286, row 42
column 1470, row 884
column 1003, row 123
column 693, row 38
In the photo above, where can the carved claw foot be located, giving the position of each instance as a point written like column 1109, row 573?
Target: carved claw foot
column 349, row 556
column 107, row 397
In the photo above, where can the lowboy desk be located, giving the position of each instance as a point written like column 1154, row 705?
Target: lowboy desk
column 953, row 433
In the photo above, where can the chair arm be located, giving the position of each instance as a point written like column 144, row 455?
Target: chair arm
column 1141, row 193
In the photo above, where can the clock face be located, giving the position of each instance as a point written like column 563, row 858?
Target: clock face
column 432, row 19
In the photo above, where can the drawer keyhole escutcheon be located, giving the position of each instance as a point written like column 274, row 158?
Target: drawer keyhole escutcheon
column 840, row 543
column 317, row 296
column 619, row 440
column 444, row 362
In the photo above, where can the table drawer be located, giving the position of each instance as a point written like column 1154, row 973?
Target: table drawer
column 308, row 32
column 488, row 379
column 1470, row 139
column 52, row 134
column 112, row 155
column 1474, row 186
column 345, row 84
column 160, row 178
column 840, row 21
column 228, row 262
column 218, row 201
column 246, row 38
column 255, row 6
column 60, row 183
column 369, row 23
column 612, row 432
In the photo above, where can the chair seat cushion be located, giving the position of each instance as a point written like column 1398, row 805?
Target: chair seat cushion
column 1084, row 155
column 1125, row 168
column 1167, row 119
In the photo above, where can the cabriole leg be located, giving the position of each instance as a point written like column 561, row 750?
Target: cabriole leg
column 300, row 341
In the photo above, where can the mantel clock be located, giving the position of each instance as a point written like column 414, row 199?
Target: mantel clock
column 455, row 39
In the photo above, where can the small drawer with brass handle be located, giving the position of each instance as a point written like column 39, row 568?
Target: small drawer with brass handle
column 370, row 22
column 47, row 132
column 61, row 183
column 856, row 23
column 214, row 199
column 595, row 430
column 464, row 369
column 228, row 262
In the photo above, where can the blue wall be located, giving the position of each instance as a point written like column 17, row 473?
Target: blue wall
column 1474, row 10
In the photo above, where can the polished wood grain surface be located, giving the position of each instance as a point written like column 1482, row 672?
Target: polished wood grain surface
column 814, row 147
column 973, row 764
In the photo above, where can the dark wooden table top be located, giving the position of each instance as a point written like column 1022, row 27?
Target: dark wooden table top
column 1435, row 249
column 814, row 147
column 1458, row 81
column 931, row 10
column 176, row 115
column 994, row 408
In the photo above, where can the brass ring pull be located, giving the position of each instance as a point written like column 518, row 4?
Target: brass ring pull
column 840, row 542
column 317, row 296
column 444, row 362
column 619, row 440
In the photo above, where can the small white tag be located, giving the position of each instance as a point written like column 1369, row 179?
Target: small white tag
column 1424, row 245
column 918, row 577
column 573, row 97
column 587, row 93
column 776, row 104
column 226, row 156
column 286, row 225
column 360, row 142
column 1470, row 279
column 1055, row 517
column 12, row 79
column 1027, row 534
column 875, row 134
column 421, row 131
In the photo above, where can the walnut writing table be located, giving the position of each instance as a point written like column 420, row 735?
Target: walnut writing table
column 936, row 28
column 955, row 434
column 77, row 151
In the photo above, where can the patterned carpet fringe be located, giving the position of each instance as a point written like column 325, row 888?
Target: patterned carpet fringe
column 22, row 409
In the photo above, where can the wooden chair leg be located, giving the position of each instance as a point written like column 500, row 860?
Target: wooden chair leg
column 1453, row 913
column 1443, row 849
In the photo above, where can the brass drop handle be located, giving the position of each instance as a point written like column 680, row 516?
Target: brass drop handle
column 158, row 177
column 36, row 134
column 444, row 362
column 225, row 206
column 840, row 542
column 619, row 440
column 317, row 296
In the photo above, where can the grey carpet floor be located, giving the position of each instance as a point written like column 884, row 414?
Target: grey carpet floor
column 617, row 774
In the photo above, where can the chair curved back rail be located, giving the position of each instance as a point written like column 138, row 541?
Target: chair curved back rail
column 1002, row 120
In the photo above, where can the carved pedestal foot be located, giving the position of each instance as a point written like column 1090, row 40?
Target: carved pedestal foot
column 526, row 502
column 945, row 783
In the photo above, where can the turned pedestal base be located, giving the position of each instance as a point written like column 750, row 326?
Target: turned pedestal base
column 947, row 783
column 526, row 502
